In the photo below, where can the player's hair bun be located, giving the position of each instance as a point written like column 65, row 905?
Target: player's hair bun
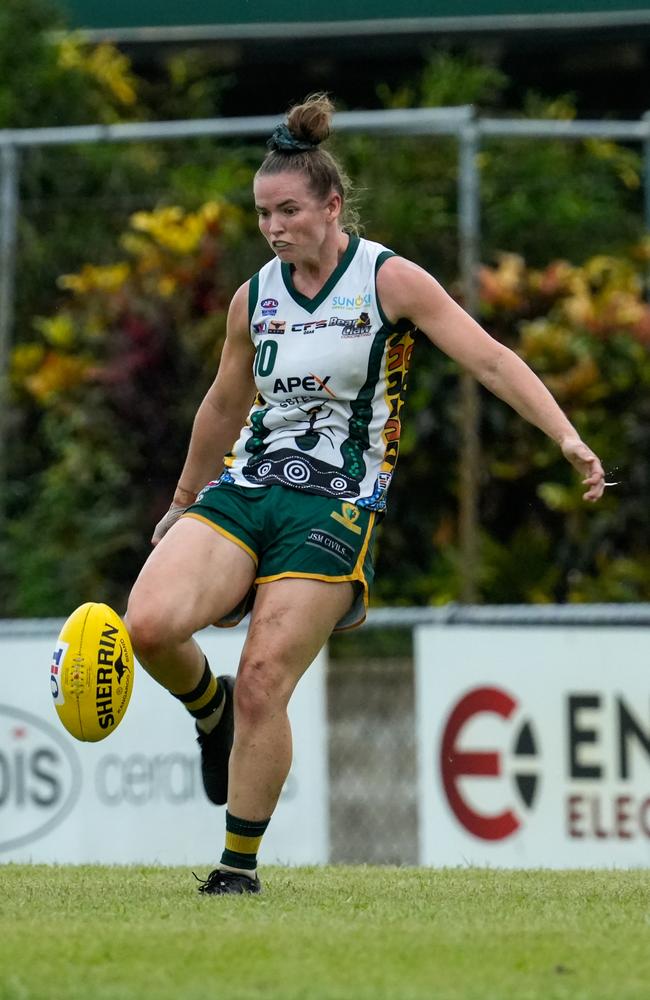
column 311, row 121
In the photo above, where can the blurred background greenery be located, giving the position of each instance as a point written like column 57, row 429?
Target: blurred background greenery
column 128, row 257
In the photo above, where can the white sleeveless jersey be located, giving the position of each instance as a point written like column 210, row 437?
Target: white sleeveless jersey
column 330, row 374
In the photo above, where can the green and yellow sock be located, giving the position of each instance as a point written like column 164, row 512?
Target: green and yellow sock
column 204, row 702
column 243, row 839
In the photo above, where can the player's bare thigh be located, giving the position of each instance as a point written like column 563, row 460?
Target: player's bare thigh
column 193, row 577
column 292, row 619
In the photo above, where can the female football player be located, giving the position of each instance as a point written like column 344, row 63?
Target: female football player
column 305, row 408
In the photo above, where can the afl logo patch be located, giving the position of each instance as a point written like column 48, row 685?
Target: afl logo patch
column 269, row 307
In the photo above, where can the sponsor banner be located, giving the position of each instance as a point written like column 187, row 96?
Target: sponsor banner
column 137, row 797
column 534, row 746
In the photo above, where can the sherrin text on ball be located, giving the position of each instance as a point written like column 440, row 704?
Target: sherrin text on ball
column 91, row 673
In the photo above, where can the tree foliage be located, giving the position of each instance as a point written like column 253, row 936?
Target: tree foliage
column 586, row 331
column 112, row 379
column 148, row 243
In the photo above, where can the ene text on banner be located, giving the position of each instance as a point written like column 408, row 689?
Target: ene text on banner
column 534, row 746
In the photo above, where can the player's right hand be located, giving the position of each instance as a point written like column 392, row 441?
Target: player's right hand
column 166, row 522
column 588, row 464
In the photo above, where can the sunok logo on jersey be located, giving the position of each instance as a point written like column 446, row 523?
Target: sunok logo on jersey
column 352, row 301
column 276, row 326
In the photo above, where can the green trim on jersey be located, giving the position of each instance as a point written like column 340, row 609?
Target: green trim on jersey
column 381, row 259
column 253, row 294
column 358, row 440
column 310, row 305
column 255, row 444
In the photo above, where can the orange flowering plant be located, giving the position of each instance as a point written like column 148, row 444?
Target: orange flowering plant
column 586, row 331
column 110, row 382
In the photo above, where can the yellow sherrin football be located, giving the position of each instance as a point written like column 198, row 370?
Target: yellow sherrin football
column 91, row 674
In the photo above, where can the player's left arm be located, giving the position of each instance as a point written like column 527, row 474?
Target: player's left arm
column 407, row 291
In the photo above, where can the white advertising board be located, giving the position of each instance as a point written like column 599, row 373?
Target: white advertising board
column 137, row 797
column 534, row 746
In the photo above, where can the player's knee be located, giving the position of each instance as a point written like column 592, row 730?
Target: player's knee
column 259, row 692
column 150, row 630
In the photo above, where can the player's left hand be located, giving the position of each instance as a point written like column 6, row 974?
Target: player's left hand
column 588, row 465
column 166, row 522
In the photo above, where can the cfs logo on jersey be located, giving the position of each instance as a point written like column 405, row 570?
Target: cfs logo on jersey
column 310, row 327
column 509, row 764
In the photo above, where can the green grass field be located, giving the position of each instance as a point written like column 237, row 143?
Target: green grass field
column 93, row 933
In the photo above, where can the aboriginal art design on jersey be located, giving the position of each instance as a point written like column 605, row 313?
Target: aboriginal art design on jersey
column 303, row 472
column 330, row 389
column 318, row 416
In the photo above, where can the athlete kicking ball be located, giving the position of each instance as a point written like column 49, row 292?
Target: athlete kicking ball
column 305, row 408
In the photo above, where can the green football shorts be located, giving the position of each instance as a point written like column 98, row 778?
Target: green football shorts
column 289, row 533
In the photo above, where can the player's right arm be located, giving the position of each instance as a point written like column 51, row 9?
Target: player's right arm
column 221, row 414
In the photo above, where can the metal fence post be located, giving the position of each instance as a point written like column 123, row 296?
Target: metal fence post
column 469, row 458
column 646, row 192
column 9, row 172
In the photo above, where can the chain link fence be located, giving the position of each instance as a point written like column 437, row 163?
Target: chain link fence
column 372, row 763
